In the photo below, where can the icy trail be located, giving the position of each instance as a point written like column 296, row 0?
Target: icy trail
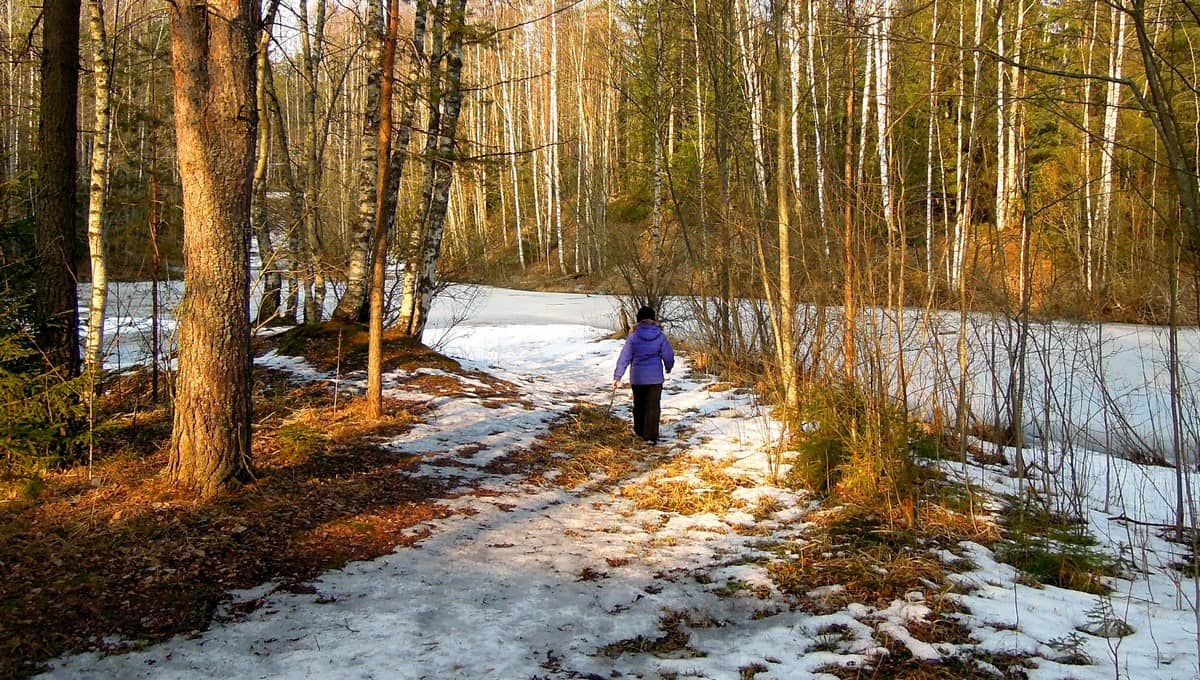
column 499, row 593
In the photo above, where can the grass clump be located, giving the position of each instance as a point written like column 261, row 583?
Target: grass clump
column 689, row 486
column 865, row 558
column 588, row 446
column 1054, row 549
column 672, row 643
column 859, row 448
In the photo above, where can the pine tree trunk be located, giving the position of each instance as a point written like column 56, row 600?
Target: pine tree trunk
column 98, row 187
column 57, row 298
column 213, row 58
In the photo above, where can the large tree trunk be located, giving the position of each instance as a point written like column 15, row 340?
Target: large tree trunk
column 57, row 298
column 98, row 188
column 213, row 58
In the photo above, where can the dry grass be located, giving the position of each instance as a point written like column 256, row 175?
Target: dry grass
column 688, row 486
column 589, row 447
column 672, row 643
column 874, row 564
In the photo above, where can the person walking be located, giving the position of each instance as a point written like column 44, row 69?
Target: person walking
column 646, row 354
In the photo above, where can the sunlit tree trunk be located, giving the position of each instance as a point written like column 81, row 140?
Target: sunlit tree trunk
column 849, row 301
column 213, row 58
column 1108, row 146
column 786, row 326
column 553, row 188
column 931, row 129
column 1087, row 236
column 98, row 186
column 383, row 206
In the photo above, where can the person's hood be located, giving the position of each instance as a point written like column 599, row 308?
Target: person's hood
column 647, row 331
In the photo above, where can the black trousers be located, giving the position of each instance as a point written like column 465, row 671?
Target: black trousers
column 646, row 411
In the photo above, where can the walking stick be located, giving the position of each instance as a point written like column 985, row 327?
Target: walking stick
column 612, row 398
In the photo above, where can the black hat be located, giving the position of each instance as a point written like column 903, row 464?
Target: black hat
column 645, row 313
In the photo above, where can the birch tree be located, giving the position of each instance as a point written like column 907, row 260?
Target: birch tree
column 444, row 114
column 98, row 186
column 352, row 306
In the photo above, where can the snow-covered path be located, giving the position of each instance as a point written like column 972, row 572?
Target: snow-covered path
column 528, row 580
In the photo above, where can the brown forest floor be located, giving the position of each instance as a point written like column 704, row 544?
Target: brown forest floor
column 92, row 556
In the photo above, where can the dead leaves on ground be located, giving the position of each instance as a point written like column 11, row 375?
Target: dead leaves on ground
column 115, row 553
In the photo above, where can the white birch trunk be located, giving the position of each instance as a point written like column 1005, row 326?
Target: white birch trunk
column 583, row 176
column 752, row 89
column 553, row 188
column 510, row 138
column 1085, row 244
column 865, row 107
column 818, row 140
column 443, row 167
column 962, row 221
column 1108, row 150
column 98, row 188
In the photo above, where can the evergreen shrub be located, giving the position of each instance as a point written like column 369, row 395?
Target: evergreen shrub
column 40, row 410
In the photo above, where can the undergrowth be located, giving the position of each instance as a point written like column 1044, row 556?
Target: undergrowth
column 1053, row 549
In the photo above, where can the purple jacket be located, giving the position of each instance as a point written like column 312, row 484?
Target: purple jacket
column 646, row 352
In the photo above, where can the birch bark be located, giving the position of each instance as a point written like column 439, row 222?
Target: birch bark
column 98, row 186
column 353, row 305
